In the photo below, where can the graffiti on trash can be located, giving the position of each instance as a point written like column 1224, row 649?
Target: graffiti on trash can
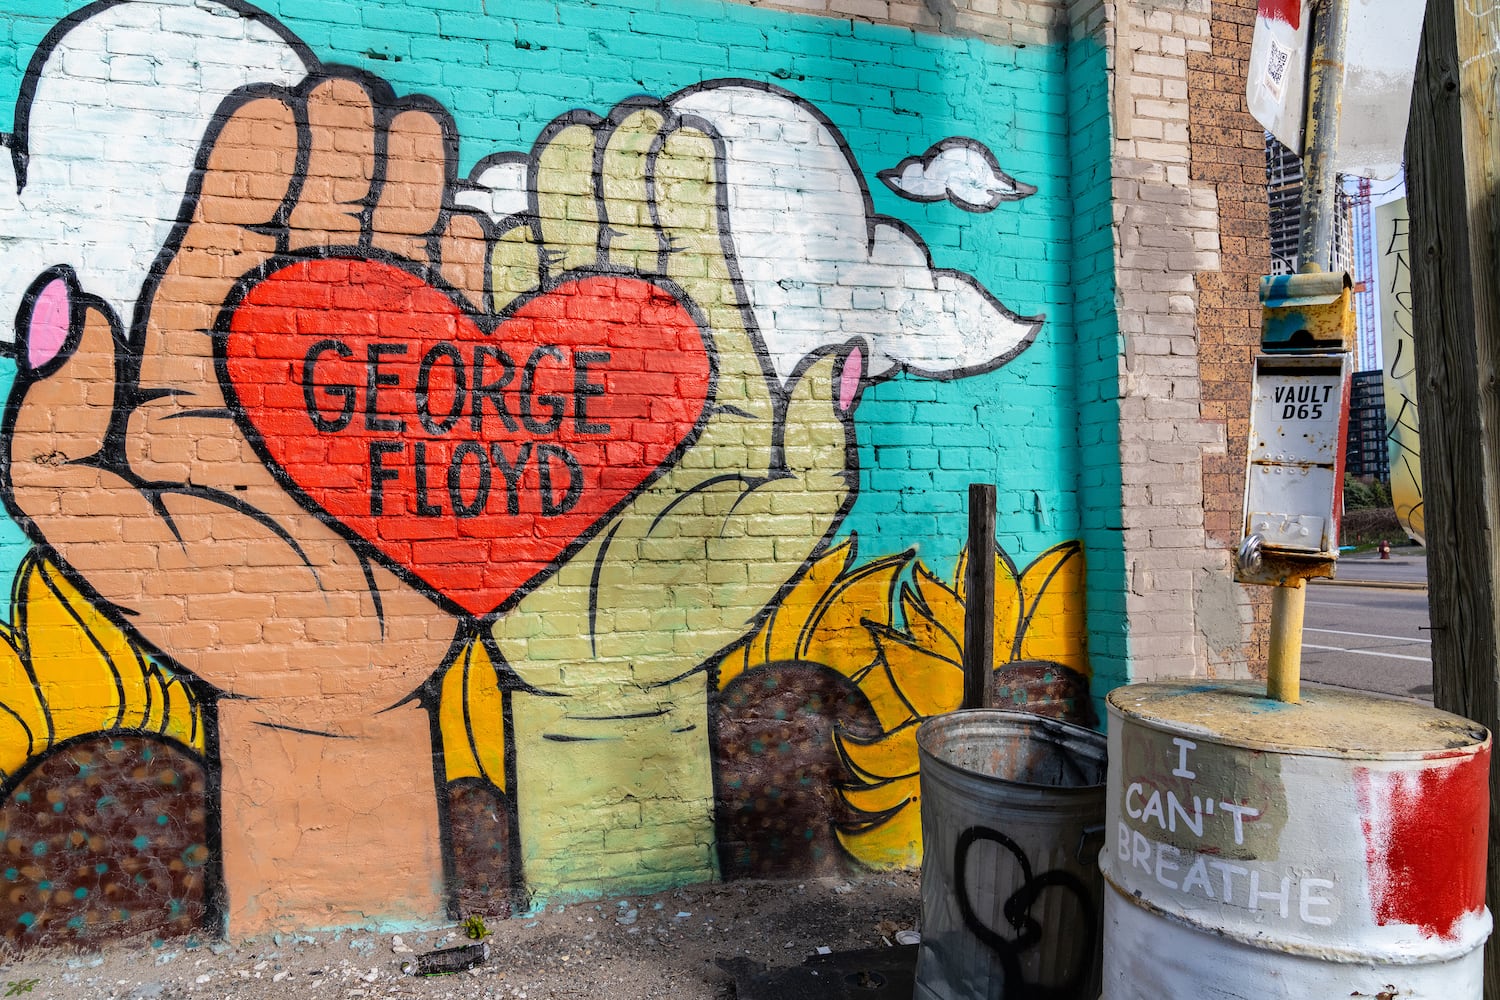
column 1029, row 931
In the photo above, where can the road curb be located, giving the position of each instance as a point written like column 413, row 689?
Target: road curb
column 1372, row 583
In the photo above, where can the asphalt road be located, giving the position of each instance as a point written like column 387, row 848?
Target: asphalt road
column 1368, row 630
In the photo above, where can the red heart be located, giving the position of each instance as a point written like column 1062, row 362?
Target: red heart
column 473, row 462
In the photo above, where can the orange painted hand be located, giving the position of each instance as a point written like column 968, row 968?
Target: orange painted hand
column 126, row 461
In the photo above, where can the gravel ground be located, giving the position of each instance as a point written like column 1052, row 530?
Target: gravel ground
column 666, row 945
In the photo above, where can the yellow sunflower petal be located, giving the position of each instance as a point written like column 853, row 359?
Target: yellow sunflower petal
column 893, row 755
column 124, row 658
column 930, row 684
column 942, row 604
column 87, row 674
column 1005, row 570
column 471, row 713
column 1055, row 627
column 180, row 718
column 896, row 843
column 877, row 685
column 837, row 635
column 927, row 632
column 1009, row 605
column 784, row 631
column 458, row 754
column 23, row 723
column 883, row 797
column 734, row 662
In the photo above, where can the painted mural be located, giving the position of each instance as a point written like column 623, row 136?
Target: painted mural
column 1398, row 347
column 401, row 531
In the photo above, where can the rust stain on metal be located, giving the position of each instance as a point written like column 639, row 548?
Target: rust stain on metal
column 1326, row 723
column 1307, row 310
column 1279, row 570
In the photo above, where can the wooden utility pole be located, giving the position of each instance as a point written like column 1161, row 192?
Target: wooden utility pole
column 1453, row 180
column 979, row 599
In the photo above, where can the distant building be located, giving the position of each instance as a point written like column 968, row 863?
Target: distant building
column 1353, row 238
column 1367, row 454
column 1284, row 192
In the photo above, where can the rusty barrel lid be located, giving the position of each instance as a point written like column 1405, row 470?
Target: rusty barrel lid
column 1327, row 722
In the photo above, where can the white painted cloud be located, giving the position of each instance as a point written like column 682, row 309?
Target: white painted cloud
column 125, row 97
column 497, row 187
column 120, row 107
column 820, row 268
column 960, row 170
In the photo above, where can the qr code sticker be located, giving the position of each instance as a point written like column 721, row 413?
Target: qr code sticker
column 1277, row 61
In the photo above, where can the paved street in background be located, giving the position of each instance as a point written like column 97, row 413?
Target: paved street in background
column 1368, row 629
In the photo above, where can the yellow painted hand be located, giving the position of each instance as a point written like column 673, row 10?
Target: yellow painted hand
column 613, row 759
column 685, row 568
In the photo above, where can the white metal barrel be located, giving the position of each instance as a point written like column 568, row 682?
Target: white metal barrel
column 1012, row 809
column 1257, row 849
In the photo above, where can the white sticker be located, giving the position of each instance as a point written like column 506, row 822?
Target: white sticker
column 1277, row 61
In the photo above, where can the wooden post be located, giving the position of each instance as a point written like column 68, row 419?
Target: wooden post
column 1453, row 179
column 979, row 598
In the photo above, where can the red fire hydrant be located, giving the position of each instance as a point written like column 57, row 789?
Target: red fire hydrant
column 1385, row 549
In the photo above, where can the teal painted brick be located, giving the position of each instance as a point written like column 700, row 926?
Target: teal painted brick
column 408, row 19
column 702, row 56
column 905, row 56
column 879, row 118
column 1044, row 103
column 335, row 12
column 764, row 62
column 612, row 16
column 670, row 25
column 864, row 54
column 884, row 33
column 729, row 33
column 848, row 94
column 942, row 502
column 816, row 91
column 566, row 38
column 833, row 66
column 449, row 50
column 933, row 82
column 461, row 25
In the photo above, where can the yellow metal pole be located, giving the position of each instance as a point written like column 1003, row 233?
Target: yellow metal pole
column 1284, row 668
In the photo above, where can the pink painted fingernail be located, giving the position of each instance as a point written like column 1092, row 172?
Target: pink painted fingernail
column 851, row 374
column 51, row 314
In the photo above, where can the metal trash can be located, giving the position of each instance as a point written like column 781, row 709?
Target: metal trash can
column 1012, row 824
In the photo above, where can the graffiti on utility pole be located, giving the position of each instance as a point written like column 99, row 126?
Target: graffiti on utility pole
column 1393, row 233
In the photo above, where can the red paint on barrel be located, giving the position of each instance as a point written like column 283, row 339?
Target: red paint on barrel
column 1289, row 11
column 1425, row 838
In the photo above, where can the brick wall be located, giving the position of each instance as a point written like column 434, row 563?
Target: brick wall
column 498, row 458
column 1185, row 261
column 535, row 457
column 1228, row 149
